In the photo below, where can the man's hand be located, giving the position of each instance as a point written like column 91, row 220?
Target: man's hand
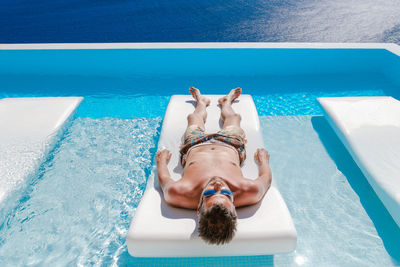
column 261, row 156
column 163, row 156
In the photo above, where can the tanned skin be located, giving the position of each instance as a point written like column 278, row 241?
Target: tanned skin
column 213, row 160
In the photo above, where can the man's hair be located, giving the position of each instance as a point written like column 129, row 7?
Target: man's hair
column 217, row 225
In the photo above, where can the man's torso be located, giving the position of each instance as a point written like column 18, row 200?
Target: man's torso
column 206, row 161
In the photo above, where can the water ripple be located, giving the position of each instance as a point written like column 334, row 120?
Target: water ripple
column 80, row 209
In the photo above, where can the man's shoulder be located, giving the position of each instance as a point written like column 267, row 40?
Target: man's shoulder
column 248, row 186
column 180, row 189
column 250, row 193
column 182, row 195
column 246, row 190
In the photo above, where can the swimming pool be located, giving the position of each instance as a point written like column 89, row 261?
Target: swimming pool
column 77, row 208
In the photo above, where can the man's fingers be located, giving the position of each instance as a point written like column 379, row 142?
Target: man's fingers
column 164, row 154
column 257, row 155
column 260, row 154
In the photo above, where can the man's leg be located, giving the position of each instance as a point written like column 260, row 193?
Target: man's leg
column 199, row 116
column 231, row 131
column 228, row 115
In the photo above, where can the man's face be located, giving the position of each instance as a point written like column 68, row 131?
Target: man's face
column 217, row 184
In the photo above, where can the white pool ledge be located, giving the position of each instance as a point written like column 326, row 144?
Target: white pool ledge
column 369, row 127
column 28, row 128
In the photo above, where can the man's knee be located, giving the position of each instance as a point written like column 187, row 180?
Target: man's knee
column 195, row 120
column 237, row 116
column 193, row 117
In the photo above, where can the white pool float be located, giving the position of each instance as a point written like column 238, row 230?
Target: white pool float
column 369, row 127
column 27, row 128
column 159, row 230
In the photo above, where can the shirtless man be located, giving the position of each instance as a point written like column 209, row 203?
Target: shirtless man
column 212, row 181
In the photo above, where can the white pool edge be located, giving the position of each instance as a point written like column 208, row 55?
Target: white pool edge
column 392, row 47
column 46, row 137
column 385, row 189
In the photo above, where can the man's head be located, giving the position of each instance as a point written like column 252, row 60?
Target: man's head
column 217, row 213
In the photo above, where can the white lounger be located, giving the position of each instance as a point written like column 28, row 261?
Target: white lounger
column 369, row 127
column 27, row 127
column 159, row 230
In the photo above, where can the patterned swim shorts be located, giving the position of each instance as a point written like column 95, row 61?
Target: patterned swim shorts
column 231, row 135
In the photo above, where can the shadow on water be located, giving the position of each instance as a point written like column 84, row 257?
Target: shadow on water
column 386, row 227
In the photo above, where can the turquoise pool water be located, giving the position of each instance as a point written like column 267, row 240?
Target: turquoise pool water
column 77, row 208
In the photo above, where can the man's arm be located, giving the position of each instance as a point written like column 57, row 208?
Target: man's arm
column 164, row 176
column 254, row 190
column 264, row 171
column 174, row 192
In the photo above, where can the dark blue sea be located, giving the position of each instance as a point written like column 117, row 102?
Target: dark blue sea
column 62, row 21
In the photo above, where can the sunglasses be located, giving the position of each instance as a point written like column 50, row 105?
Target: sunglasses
column 212, row 192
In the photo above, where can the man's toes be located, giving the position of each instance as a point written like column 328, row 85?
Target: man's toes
column 222, row 100
column 236, row 93
column 207, row 101
column 195, row 93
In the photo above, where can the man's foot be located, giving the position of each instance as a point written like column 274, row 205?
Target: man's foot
column 198, row 97
column 233, row 94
